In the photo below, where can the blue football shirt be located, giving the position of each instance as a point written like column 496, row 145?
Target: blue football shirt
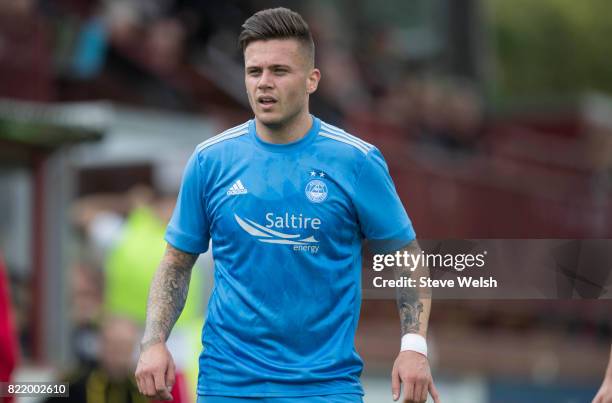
column 287, row 223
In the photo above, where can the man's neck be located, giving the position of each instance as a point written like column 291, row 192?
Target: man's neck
column 292, row 131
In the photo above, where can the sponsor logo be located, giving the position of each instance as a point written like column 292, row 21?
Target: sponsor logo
column 267, row 234
column 316, row 191
column 237, row 189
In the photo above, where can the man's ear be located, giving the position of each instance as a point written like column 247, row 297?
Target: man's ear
column 313, row 81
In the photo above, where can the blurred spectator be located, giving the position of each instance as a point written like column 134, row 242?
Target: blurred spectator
column 451, row 115
column 129, row 266
column 87, row 284
column 164, row 47
column 130, row 248
column 341, row 92
column 25, row 52
column 8, row 341
column 400, row 105
column 126, row 231
column 111, row 379
column 598, row 152
column 90, row 51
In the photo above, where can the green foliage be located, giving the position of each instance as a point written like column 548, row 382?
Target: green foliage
column 552, row 46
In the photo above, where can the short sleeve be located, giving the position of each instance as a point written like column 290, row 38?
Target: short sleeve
column 382, row 217
column 188, row 229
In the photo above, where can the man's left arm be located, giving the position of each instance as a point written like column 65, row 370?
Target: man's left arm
column 384, row 222
column 411, row 367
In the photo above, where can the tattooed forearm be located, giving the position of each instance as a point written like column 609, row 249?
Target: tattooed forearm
column 410, row 309
column 167, row 295
column 413, row 302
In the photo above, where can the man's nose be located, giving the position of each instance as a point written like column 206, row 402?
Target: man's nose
column 265, row 80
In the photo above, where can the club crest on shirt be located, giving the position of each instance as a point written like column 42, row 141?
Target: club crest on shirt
column 316, row 189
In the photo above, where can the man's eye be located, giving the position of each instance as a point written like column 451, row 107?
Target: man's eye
column 253, row 72
column 280, row 71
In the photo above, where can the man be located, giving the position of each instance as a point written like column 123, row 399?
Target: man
column 286, row 199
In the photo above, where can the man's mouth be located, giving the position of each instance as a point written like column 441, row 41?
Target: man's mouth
column 266, row 100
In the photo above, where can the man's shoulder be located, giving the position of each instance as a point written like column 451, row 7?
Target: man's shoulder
column 223, row 138
column 340, row 139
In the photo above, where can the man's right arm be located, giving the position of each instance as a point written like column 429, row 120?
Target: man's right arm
column 167, row 295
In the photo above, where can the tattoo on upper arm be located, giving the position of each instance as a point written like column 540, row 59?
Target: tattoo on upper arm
column 167, row 294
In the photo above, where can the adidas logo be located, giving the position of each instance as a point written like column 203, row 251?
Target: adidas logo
column 237, row 189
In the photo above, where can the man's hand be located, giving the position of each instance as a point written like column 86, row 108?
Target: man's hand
column 412, row 369
column 605, row 392
column 155, row 373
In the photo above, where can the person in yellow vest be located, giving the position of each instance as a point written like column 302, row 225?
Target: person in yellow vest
column 129, row 267
column 130, row 248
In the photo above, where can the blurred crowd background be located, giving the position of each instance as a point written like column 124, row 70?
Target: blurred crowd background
column 495, row 118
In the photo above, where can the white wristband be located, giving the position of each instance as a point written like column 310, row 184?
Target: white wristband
column 414, row 342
